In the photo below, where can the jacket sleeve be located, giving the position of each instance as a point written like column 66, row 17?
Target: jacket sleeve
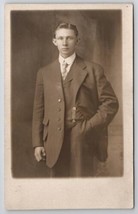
column 107, row 100
column 38, row 112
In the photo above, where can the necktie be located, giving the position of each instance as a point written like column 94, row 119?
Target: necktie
column 64, row 69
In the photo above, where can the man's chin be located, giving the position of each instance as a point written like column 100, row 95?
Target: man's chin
column 66, row 55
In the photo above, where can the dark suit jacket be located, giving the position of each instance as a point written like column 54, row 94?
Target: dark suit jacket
column 93, row 95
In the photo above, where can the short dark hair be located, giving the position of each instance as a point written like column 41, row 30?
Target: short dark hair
column 66, row 26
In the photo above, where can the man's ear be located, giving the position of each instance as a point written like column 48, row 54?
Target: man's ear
column 55, row 42
column 78, row 40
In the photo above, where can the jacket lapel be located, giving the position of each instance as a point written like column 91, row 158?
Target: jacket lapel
column 55, row 75
column 55, row 71
column 79, row 75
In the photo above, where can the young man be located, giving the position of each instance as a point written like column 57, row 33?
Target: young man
column 74, row 104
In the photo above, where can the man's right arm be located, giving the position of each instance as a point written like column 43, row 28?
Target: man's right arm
column 39, row 153
column 38, row 114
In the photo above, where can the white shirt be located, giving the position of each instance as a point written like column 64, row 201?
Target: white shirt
column 68, row 60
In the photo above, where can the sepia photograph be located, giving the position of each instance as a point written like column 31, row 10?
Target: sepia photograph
column 66, row 112
column 66, row 93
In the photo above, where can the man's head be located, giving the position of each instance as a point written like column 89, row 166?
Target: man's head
column 66, row 39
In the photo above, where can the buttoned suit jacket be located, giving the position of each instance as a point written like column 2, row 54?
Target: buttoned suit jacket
column 92, row 94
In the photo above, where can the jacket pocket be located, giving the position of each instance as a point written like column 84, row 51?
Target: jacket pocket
column 45, row 129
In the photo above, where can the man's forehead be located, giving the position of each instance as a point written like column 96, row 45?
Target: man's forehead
column 65, row 32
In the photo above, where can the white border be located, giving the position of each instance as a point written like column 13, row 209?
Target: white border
column 74, row 193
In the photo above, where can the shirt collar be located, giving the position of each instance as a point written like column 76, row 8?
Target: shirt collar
column 69, row 60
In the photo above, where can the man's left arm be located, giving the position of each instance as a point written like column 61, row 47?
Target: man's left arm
column 108, row 103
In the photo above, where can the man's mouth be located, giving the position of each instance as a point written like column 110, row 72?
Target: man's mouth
column 65, row 48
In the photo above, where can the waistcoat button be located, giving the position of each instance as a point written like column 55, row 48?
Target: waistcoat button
column 59, row 100
column 59, row 109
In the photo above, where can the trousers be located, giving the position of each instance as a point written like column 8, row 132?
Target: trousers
column 76, row 158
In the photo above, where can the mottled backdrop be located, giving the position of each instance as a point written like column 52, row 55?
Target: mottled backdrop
column 32, row 48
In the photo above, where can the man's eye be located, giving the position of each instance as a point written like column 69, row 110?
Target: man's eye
column 60, row 38
column 70, row 38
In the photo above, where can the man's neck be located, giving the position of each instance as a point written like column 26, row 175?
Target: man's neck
column 66, row 57
column 69, row 60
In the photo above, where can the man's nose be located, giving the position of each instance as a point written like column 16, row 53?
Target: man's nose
column 65, row 42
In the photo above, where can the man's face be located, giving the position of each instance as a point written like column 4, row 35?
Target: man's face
column 66, row 41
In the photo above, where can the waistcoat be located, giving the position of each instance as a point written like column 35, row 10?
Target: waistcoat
column 67, row 85
column 71, row 112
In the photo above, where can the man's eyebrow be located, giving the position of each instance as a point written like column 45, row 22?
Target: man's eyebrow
column 64, row 36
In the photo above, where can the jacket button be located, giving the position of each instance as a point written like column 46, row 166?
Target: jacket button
column 59, row 128
column 59, row 109
column 59, row 119
column 59, row 100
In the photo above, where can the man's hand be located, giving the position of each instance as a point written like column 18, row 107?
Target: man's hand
column 86, row 126
column 39, row 153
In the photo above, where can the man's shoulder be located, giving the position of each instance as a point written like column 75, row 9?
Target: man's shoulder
column 48, row 67
column 93, row 65
column 89, row 63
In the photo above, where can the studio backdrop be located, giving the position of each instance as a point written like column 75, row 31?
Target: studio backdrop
column 32, row 48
